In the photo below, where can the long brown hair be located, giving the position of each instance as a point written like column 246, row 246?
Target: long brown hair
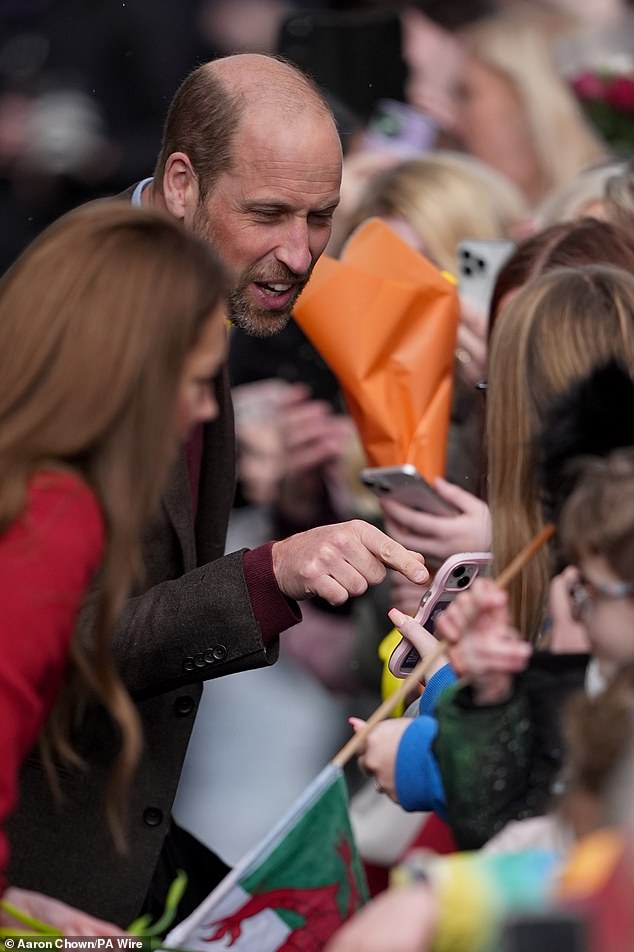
column 563, row 245
column 96, row 320
column 557, row 329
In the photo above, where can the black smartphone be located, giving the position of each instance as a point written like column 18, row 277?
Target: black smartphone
column 550, row 931
column 353, row 54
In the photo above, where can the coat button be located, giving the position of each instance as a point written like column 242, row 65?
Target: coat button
column 219, row 652
column 183, row 705
column 199, row 661
column 152, row 816
column 188, row 664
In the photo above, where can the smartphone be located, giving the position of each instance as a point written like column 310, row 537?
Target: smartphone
column 399, row 129
column 553, row 930
column 407, row 486
column 455, row 575
column 353, row 54
column 478, row 264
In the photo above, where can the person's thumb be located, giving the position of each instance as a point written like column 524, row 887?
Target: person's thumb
column 356, row 723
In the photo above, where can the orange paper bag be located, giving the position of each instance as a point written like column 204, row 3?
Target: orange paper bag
column 385, row 320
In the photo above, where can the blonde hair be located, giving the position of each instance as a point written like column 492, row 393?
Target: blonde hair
column 619, row 197
column 586, row 194
column 555, row 331
column 563, row 140
column 445, row 198
column 96, row 319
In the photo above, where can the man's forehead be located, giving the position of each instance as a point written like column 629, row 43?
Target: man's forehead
column 282, row 161
column 274, row 127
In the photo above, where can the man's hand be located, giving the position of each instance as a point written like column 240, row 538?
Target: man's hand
column 338, row 561
column 69, row 921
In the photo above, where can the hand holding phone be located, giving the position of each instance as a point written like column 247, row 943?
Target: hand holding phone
column 407, row 486
column 478, row 264
column 455, row 575
column 438, row 537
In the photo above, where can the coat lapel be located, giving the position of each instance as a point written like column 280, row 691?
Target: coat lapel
column 177, row 502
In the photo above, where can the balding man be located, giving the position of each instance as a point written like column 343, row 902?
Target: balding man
column 251, row 161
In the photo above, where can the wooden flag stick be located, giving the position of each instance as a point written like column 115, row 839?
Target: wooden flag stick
column 507, row 575
column 384, row 710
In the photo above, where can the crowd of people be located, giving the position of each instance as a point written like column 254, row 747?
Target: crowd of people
column 120, row 453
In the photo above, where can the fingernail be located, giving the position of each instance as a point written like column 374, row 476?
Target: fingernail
column 396, row 616
column 421, row 574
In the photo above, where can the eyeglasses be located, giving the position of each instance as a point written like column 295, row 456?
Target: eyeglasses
column 583, row 593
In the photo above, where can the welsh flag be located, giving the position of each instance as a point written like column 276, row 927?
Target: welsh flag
column 292, row 891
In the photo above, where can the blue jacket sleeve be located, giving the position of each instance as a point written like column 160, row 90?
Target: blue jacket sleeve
column 419, row 785
column 443, row 678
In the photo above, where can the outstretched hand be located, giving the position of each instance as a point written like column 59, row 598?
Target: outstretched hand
column 68, row 920
column 338, row 561
column 402, row 919
column 423, row 640
column 489, row 650
column 378, row 756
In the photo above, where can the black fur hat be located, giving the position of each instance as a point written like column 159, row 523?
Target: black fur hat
column 594, row 417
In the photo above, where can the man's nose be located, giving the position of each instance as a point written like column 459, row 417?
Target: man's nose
column 294, row 248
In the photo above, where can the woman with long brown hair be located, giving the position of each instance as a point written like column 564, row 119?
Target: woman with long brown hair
column 111, row 331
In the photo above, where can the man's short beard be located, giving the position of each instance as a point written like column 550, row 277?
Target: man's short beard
column 252, row 320
column 257, row 323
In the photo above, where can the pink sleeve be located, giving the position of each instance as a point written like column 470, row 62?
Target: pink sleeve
column 48, row 557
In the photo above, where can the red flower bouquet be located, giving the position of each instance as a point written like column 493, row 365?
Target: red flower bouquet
column 598, row 64
column 608, row 101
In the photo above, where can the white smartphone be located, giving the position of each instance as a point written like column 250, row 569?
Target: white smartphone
column 407, row 486
column 478, row 264
column 455, row 575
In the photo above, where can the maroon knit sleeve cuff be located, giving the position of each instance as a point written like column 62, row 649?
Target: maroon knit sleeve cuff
column 274, row 612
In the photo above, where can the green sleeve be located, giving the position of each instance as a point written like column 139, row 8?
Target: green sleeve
column 484, row 754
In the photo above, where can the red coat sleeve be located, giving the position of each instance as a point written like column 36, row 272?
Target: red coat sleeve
column 48, row 557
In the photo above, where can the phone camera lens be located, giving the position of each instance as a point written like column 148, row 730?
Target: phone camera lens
column 463, row 582
column 481, row 263
column 458, row 571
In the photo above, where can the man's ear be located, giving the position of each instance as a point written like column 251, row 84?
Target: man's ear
column 180, row 187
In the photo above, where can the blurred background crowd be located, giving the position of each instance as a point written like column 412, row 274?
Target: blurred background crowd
column 83, row 90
